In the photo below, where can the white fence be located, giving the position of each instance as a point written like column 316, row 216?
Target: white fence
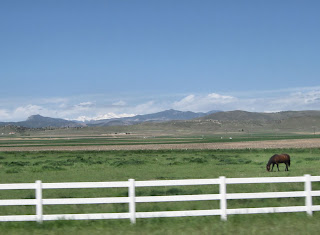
column 132, row 199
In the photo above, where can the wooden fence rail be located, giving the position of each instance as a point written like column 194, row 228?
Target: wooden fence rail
column 132, row 199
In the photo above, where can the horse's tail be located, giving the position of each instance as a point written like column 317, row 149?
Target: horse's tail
column 288, row 159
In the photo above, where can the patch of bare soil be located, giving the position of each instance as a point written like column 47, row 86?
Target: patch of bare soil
column 268, row 144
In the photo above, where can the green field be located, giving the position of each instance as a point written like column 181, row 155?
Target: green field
column 17, row 167
column 98, row 140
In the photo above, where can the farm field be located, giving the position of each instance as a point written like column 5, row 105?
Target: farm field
column 91, row 166
column 151, row 142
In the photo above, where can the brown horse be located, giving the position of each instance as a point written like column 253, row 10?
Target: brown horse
column 279, row 158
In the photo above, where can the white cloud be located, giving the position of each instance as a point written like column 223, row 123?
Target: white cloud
column 4, row 115
column 28, row 110
column 202, row 103
column 103, row 116
column 84, row 104
column 22, row 112
column 312, row 97
column 116, row 110
column 119, row 103
column 186, row 101
column 301, row 100
column 266, row 101
column 220, row 99
column 54, row 100
column 100, row 108
column 144, row 107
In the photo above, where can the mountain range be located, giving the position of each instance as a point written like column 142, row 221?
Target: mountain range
column 237, row 116
column 38, row 121
column 242, row 116
column 164, row 116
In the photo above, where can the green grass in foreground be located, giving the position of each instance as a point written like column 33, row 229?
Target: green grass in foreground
column 246, row 224
column 50, row 166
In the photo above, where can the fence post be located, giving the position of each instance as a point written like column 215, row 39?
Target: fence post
column 308, row 189
column 223, row 197
column 39, row 209
column 132, row 201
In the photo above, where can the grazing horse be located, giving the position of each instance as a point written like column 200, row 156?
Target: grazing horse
column 279, row 158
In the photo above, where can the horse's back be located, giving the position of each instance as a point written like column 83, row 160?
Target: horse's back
column 280, row 158
column 287, row 155
column 283, row 158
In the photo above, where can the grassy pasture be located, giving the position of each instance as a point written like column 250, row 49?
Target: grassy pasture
column 120, row 139
column 50, row 166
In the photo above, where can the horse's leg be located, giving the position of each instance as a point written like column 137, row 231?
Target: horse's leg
column 272, row 166
column 287, row 168
column 278, row 166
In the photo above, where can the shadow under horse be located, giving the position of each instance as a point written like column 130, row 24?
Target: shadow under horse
column 279, row 158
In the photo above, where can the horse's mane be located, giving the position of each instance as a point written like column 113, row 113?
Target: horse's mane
column 271, row 159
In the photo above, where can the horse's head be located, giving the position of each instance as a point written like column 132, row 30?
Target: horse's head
column 268, row 167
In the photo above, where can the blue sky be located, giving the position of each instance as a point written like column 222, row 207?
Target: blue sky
column 81, row 59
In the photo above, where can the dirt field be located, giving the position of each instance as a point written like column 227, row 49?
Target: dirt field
column 268, row 144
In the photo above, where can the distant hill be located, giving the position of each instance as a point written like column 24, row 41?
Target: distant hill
column 38, row 121
column 241, row 116
column 164, row 116
column 171, row 120
column 241, row 122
